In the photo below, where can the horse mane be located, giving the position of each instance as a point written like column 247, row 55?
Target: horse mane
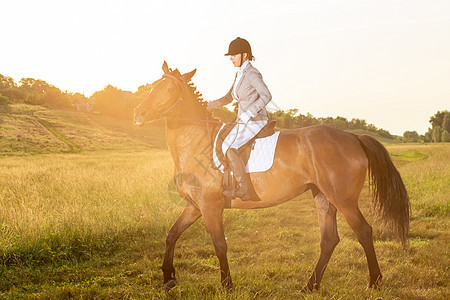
column 191, row 88
column 199, row 103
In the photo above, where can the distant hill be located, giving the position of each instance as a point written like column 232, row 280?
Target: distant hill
column 30, row 129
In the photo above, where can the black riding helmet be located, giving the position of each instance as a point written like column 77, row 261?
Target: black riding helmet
column 240, row 46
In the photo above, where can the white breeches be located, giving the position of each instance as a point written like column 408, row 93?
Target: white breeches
column 241, row 134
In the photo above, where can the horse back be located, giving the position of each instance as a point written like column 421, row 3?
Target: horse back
column 329, row 158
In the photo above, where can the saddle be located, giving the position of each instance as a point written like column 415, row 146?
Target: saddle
column 228, row 181
column 246, row 149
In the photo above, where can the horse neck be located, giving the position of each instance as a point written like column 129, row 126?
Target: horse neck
column 187, row 133
column 190, row 144
column 190, row 109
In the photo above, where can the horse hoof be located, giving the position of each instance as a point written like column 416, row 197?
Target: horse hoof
column 305, row 290
column 376, row 285
column 308, row 289
column 170, row 284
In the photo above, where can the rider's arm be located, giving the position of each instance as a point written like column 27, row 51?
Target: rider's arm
column 264, row 94
column 221, row 101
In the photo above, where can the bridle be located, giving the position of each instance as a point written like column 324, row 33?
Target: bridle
column 180, row 98
column 179, row 101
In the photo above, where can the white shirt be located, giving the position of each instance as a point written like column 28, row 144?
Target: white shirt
column 238, row 78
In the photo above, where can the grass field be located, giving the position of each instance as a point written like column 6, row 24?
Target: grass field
column 89, row 222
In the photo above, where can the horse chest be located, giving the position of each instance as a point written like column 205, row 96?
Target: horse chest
column 189, row 186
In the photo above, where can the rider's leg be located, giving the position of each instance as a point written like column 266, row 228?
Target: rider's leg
column 242, row 178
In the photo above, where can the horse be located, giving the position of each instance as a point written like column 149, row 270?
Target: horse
column 330, row 163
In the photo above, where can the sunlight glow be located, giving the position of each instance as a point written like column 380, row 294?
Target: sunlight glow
column 384, row 61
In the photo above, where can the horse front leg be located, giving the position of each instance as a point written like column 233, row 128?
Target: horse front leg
column 189, row 215
column 214, row 223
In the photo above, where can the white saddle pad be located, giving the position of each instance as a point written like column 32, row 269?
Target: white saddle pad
column 261, row 156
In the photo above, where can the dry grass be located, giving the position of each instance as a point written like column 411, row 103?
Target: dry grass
column 50, row 202
column 92, row 225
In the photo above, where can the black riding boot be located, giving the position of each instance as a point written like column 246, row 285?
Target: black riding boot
column 242, row 178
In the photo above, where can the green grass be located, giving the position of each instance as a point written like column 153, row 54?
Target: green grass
column 92, row 225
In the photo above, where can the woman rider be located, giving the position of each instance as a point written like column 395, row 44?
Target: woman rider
column 252, row 96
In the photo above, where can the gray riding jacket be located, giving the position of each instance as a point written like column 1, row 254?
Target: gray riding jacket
column 253, row 95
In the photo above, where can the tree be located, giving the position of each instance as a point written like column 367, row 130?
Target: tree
column 411, row 137
column 358, row 124
column 440, row 123
column 6, row 82
column 446, row 121
column 54, row 96
column 30, row 85
column 8, row 88
column 436, row 134
column 428, row 136
column 309, row 120
column 36, row 91
column 143, row 91
column 340, row 123
column 35, row 98
column 224, row 114
column 114, row 102
column 3, row 100
column 445, row 136
column 371, row 128
column 437, row 119
column 288, row 116
column 384, row 133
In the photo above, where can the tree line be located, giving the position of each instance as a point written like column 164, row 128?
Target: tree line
column 438, row 132
column 114, row 102
column 110, row 101
column 288, row 119
column 292, row 119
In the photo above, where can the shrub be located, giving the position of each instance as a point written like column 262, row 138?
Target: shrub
column 3, row 100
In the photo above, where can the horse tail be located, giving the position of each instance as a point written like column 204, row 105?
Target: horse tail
column 389, row 195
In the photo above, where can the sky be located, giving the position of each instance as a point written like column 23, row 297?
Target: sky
column 385, row 61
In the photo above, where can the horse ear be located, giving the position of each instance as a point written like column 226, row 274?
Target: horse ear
column 165, row 67
column 188, row 76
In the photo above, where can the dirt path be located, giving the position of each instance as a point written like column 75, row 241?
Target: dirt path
column 72, row 146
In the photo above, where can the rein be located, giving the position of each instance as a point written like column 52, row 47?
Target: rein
column 207, row 121
column 180, row 100
column 171, row 108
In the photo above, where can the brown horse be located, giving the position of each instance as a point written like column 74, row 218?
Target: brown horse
column 329, row 162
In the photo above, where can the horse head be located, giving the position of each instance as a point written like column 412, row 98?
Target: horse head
column 165, row 95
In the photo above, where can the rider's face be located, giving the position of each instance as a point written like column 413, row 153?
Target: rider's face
column 236, row 59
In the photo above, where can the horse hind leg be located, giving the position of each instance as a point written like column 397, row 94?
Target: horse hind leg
column 328, row 239
column 189, row 215
column 363, row 231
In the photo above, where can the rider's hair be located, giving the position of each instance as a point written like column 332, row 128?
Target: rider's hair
column 250, row 56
